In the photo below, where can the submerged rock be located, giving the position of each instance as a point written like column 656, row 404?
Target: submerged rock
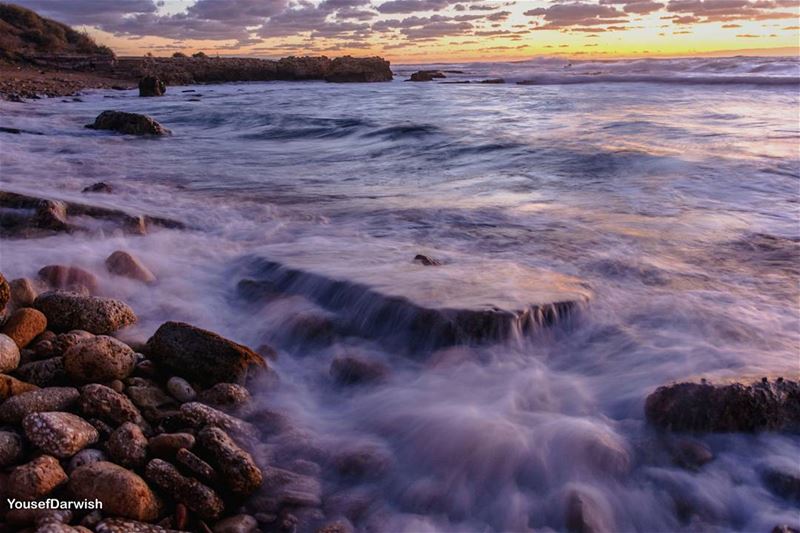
column 59, row 434
column 227, row 396
column 68, row 277
column 69, row 311
column 128, row 123
column 24, row 325
column 100, row 186
column 152, row 86
column 240, row 523
column 356, row 371
column 124, row 264
column 201, row 356
column 122, row 492
column 723, row 408
column 426, row 260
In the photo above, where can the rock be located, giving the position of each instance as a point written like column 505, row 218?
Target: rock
column 356, row 371
column 201, row 356
column 586, row 513
column 426, row 75
column 99, row 359
column 152, row 86
column 691, row 454
column 5, row 292
column 119, row 525
column 722, row 408
column 236, row 467
column 86, row 456
column 23, row 292
column 128, row 123
column 9, row 353
column 65, row 341
column 188, row 491
column 43, row 373
column 783, row 481
column 196, row 466
column 493, row 81
column 166, row 445
column 13, row 410
column 426, row 261
column 197, row 415
column 36, row 479
column 284, row 488
column 153, row 403
column 364, row 69
column 240, row 523
column 24, row 325
column 227, row 396
column 100, row 186
column 121, row 491
column 124, row 264
column 104, row 403
column 180, row 389
column 59, row 434
column 127, row 446
column 11, row 448
column 67, row 311
column 11, row 386
column 37, row 517
column 68, row 277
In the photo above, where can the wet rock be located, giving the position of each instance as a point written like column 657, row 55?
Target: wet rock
column 196, row 466
column 100, row 186
column 67, row 311
column 426, row 261
column 24, row 325
column 493, row 81
column 104, row 403
column 691, row 454
column 166, row 445
column 180, row 389
column 201, row 356
column 236, row 467
column 364, row 69
column 362, row 462
column 9, row 353
column 51, row 215
column 127, row 446
column 84, row 457
column 227, row 396
column 43, row 373
column 36, row 479
column 586, row 513
column 11, row 448
column 783, row 481
column 121, row 491
column 284, row 488
column 197, row 415
column 124, row 264
column 23, row 292
column 723, row 408
column 128, row 123
column 5, row 292
column 120, row 525
column 152, row 86
column 356, row 371
column 59, row 434
column 11, row 386
column 69, row 278
column 99, row 359
column 13, row 410
column 426, row 75
column 188, row 491
column 240, row 523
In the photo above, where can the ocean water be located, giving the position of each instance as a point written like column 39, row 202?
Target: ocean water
column 663, row 194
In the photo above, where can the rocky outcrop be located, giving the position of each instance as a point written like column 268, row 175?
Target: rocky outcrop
column 67, row 311
column 766, row 405
column 128, row 123
column 202, row 356
column 426, row 75
column 349, row 69
column 152, row 86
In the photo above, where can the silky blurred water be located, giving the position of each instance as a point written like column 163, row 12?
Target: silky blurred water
column 669, row 189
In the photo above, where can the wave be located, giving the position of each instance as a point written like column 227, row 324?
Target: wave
column 689, row 80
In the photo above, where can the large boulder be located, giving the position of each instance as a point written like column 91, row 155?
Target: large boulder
column 67, row 311
column 152, row 86
column 766, row 405
column 349, row 69
column 99, row 359
column 201, row 356
column 129, row 123
column 121, row 491
column 59, row 434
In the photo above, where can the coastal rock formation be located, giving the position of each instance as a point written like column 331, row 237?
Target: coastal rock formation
column 355, row 371
column 349, row 69
column 152, row 86
column 128, row 123
column 426, row 75
column 202, row 356
column 765, row 405
column 67, row 311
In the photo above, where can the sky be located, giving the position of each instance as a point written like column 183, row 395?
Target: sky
column 422, row 31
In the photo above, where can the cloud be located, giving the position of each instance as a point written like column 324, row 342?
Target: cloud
column 702, row 11
column 89, row 12
column 638, row 7
column 576, row 14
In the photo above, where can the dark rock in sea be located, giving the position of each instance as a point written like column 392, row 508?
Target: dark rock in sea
column 99, row 401
column 58, row 433
column 52, row 215
column 202, row 356
column 9, row 353
column 24, row 325
column 783, row 528
column 16, row 408
column 765, row 405
column 351, row 370
column 284, row 488
column 236, row 467
column 357, row 70
column 188, row 491
column 99, row 359
column 67, row 311
column 122, row 492
column 36, row 479
column 68, row 277
column 152, row 86
column 426, row 261
column 690, row 454
column 128, row 123
column 426, row 75
column 783, row 481
column 127, row 446
column 11, row 386
column 100, row 186
column 493, row 80
column 124, row 264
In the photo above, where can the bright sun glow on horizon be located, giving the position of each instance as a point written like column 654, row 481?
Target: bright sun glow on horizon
column 420, row 31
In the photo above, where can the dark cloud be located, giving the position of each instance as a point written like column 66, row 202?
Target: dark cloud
column 638, row 7
column 576, row 14
column 89, row 12
column 730, row 10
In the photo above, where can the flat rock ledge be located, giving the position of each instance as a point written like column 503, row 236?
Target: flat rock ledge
column 704, row 407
